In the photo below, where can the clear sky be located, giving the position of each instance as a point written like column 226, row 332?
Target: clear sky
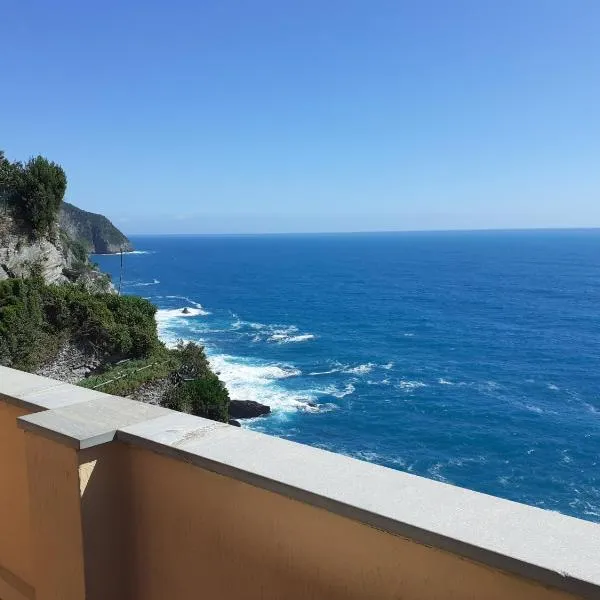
column 310, row 115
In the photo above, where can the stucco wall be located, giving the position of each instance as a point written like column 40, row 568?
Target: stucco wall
column 200, row 534
column 15, row 547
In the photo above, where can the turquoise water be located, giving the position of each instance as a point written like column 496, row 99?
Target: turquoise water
column 471, row 358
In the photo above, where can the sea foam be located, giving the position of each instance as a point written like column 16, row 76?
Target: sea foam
column 248, row 379
column 142, row 283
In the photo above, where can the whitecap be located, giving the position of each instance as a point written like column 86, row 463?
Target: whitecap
column 410, row 385
column 277, row 334
column 248, row 379
column 186, row 299
column 336, row 392
column 291, row 339
column 360, row 369
column 443, row 381
column 435, row 471
column 388, row 366
column 325, row 372
column 143, row 283
column 166, row 314
column 385, row 381
column 552, row 387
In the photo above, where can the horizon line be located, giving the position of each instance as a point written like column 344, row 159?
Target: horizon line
column 372, row 231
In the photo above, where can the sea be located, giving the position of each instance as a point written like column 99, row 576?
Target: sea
column 471, row 358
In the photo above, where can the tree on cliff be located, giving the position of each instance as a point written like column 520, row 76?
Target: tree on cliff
column 8, row 171
column 39, row 187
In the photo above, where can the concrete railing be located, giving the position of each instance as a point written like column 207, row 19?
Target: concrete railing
column 106, row 498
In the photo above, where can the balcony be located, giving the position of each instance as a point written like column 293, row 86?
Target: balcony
column 105, row 498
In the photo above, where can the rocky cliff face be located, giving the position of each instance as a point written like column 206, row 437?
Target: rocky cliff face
column 20, row 255
column 95, row 232
column 60, row 256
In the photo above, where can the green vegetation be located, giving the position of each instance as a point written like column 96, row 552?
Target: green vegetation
column 205, row 397
column 197, row 390
column 36, row 319
column 33, row 192
column 124, row 378
column 192, row 387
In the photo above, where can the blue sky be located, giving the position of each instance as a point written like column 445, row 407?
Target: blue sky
column 265, row 116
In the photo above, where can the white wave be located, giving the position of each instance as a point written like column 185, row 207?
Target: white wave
column 436, row 471
column 410, row 385
column 186, row 299
column 141, row 252
column 143, row 284
column 332, row 390
column 552, row 387
column 239, row 324
column 282, row 338
column 166, row 314
column 409, row 335
column 278, row 334
column 443, row 381
column 247, row 380
column 360, row 369
column 325, row 372
column 167, row 317
column 388, row 366
column 385, row 381
column 236, row 369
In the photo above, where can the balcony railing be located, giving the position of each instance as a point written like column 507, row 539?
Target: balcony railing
column 106, row 498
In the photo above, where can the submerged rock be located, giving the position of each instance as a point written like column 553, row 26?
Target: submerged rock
column 247, row 409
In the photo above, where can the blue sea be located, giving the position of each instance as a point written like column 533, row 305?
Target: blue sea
column 467, row 357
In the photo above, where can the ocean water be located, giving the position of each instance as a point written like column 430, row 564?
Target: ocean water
column 471, row 358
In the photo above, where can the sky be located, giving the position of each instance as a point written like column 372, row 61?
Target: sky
column 255, row 116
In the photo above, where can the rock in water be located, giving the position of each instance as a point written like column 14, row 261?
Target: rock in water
column 234, row 423
column 247, row 409
column 186, row 311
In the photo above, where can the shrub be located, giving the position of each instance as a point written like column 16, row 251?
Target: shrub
column 35, row 318
column 205, row 397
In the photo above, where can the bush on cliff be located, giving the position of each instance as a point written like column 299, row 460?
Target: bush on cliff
column 204, row 397
column 36, row 318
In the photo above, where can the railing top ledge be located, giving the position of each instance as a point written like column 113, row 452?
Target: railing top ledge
column 36, row 393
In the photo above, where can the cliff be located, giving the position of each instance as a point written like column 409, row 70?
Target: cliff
column 20, row 254
column 55, row 256
column 94, row 231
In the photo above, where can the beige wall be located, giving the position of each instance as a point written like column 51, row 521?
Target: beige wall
column 122, row 523
column 56, row 526
column 15, row 549
column 197, row 534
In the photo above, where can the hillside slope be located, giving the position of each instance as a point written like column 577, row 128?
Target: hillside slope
column 94, row 231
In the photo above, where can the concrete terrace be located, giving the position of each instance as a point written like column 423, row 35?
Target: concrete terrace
column 107, row 498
